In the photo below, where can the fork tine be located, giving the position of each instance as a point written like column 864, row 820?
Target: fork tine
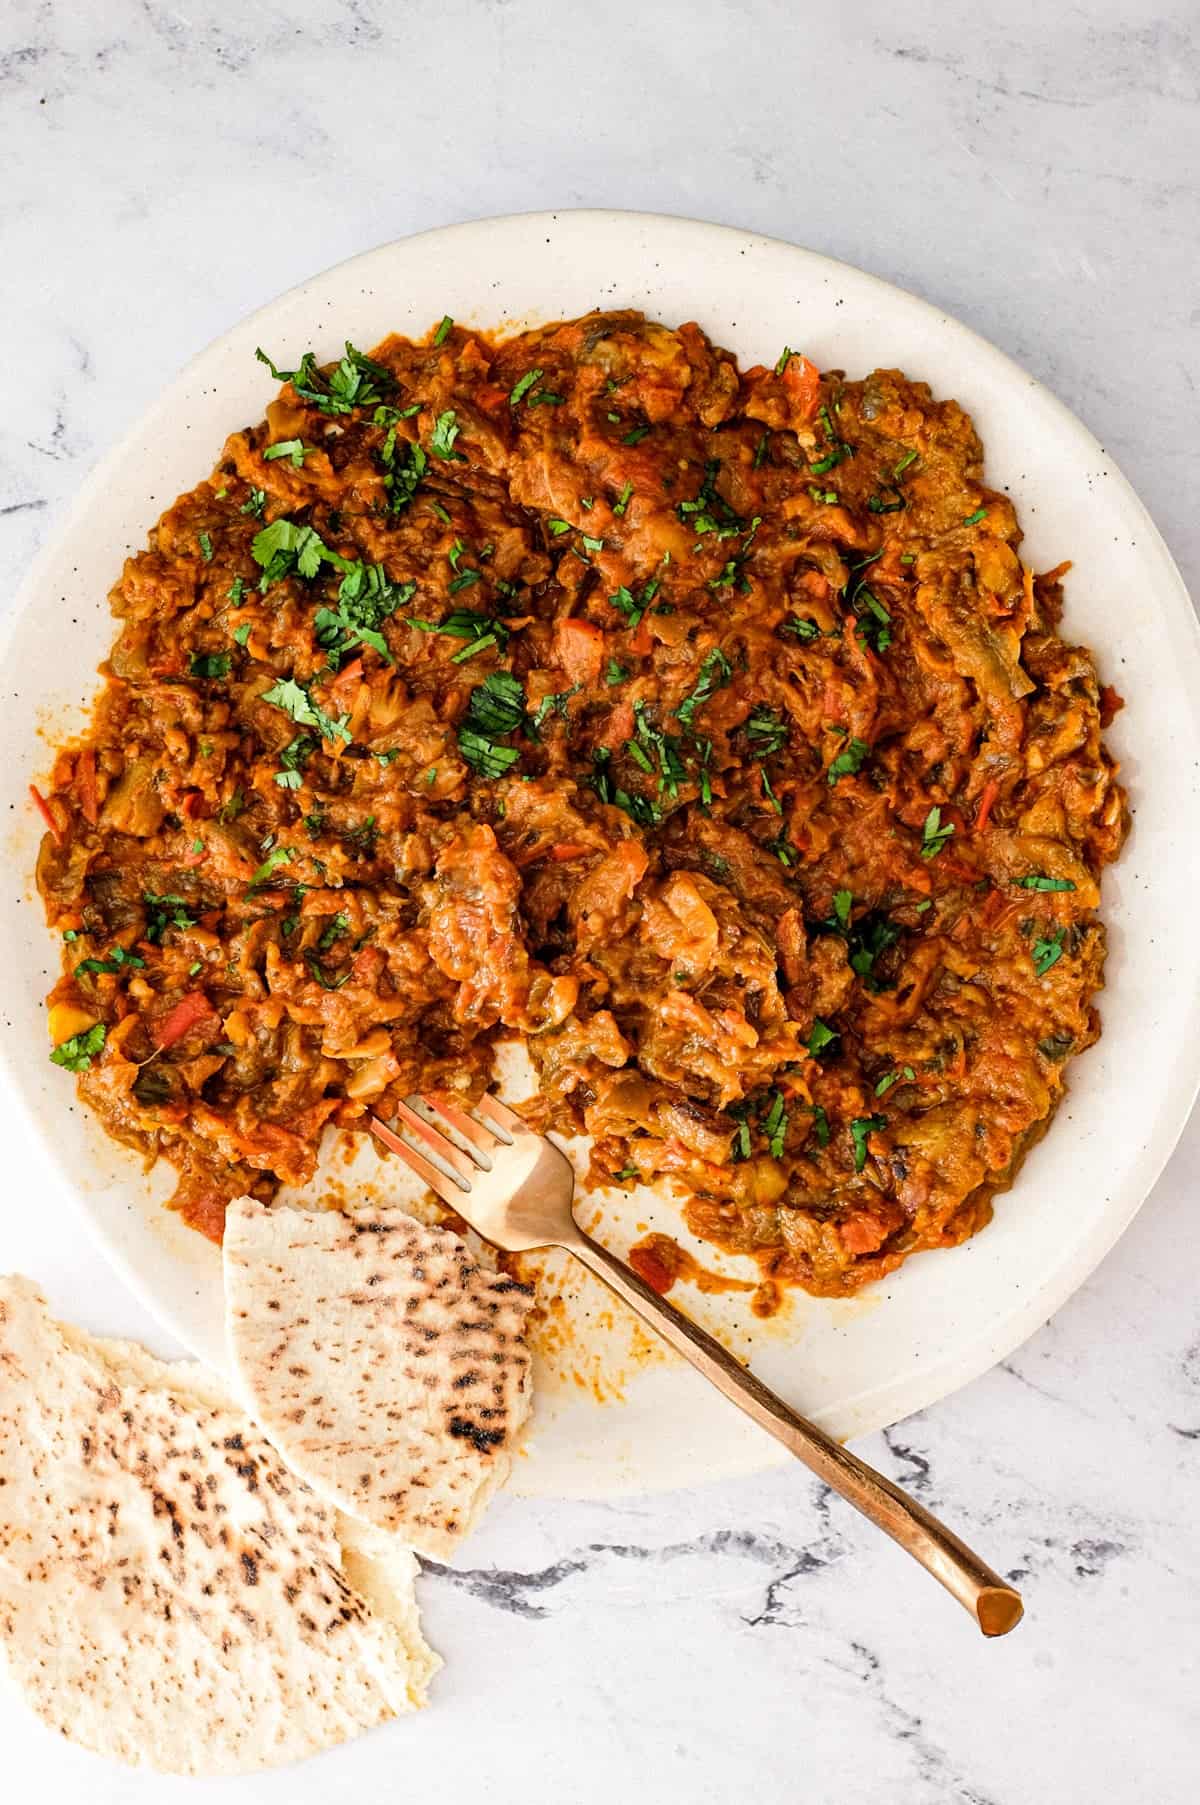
column 501, row 1115
column 463, row 1124
column 447, row 1190
column 437, row 1143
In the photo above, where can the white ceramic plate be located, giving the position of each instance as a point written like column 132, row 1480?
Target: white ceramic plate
column 946, row 1316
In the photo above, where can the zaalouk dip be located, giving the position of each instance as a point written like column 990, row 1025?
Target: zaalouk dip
column 700, row 727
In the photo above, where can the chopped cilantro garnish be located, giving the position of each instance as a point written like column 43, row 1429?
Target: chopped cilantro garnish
column 975, row 518
column 665, row 746
column 768, row 792
column 820, row 1036
column 209, row 664
column 843, row 902
column 404, row 464
column 782, row 364
column 592, row 545
column 775, row 1126
column 715, row 673
column 284, row 547
column 278, row 855
column 443, row 331
column 366, row 598
column 1036, row 881
column 206, row 548
column 708, row 512
column 849, row 761
column 558, row 527
column 633, row 608
column 496, row 707
column 620, row 505
column 322, row 977
column 876, row 627
column 760, row 451
column 820, row 1125
column 520, row 389
column 641, row 809
column 766, row 732
column 242, row 634
column 800, row 629
column 866, row 941
column 355, row 382
column 545, row 398
column 293, row 759
column 554, row 704
column 1047, row 953
column 294, row 699
column 114, row 961
column 910, row 457
column 933, row 834
column 255, row 502
column 615, row 673
column 860, row 1128
column 163, row 912
column 635, row 435
column 445, row 431
column 889, row 1078
column 288, row 448
column 77, row 1054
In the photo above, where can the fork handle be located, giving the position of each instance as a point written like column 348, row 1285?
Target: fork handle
column 995, row 1606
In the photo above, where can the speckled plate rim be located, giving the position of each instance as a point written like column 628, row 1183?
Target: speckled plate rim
column 947, row 1317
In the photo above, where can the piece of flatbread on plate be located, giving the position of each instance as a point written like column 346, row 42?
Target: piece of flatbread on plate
column 171, row 1595
column 384, row 1362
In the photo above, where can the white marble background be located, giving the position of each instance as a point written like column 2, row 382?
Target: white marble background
column 1033, row 168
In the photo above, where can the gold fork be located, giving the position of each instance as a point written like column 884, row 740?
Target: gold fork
column 515, row 1189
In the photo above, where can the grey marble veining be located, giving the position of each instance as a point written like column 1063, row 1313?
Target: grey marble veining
column 1035, row 170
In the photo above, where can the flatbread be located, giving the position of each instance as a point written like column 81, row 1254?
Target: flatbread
column 385, row 1363
column 171, row 1595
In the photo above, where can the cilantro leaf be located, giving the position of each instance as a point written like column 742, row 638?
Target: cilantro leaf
column 849, row 761
column 294, row 449
column 403, row 470
column 115, row 961
column 766, row 732
column 715, row 672
column 209, row 664
column 163, row 912
column 1047, row 952
column 284, row 547
column 77, row 1054
column 445, row 431
column 520, row 389
column 933, row 834
column 294, row 699
column 355, row 382
column 278, row 855
column 496, row 707
column 860, row 1128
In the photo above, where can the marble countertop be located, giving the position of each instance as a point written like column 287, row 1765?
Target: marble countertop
column 168, row 167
